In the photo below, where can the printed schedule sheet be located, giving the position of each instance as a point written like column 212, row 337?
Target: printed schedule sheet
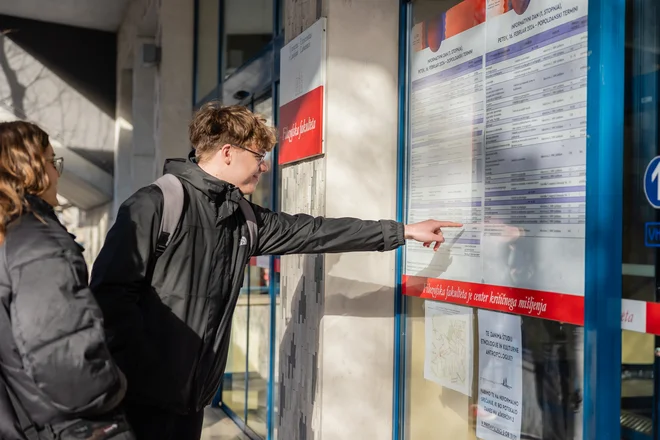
column 447, row 128
column 498, row 142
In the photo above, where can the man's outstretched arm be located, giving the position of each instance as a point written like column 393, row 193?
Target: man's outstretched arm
column 281, row 234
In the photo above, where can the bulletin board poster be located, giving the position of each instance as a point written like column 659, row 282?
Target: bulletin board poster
column 497, row 141
column 302, row 95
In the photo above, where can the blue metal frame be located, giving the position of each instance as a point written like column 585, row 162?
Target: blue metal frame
column 273, row 289
column 602, row 327
column 398, row 406
column 604, row 229
column 240, row 423
column 275, row 179
column 246, row 373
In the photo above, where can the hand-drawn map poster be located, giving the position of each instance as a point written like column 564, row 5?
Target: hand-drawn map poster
column 448, row 358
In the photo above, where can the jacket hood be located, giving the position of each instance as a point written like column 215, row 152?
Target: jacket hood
column 39, row 205
column 217, row 190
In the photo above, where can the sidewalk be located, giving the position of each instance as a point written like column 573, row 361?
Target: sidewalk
column 217, row 426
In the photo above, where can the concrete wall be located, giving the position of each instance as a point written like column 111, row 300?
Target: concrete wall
column 62, row 78
column 89, row 227
column 154, row 102
column 336, row 353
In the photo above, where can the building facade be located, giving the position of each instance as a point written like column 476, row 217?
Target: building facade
column 532, row 122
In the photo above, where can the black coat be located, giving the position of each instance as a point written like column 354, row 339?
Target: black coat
column 170, row 332
column 53, row 354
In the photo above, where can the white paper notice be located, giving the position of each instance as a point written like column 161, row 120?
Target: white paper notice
column 499, row 412
column 535, row 146
column 446, row 179
column 498, row 143
column 448, row 357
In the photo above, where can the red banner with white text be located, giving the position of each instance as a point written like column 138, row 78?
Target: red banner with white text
column 301, row 127
column 546, row 305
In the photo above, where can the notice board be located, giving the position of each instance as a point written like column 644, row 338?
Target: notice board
column 497, row 141
column 302, row 95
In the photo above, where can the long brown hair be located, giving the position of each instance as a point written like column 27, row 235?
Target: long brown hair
column 22, row 168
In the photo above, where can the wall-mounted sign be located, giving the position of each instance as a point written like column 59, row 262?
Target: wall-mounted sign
column 652, row 234
column 652, row 182
column 302, row 95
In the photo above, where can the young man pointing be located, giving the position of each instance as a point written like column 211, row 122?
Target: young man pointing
column 168, row 304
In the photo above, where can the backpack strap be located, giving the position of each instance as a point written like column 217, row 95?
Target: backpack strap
column 27, row 426
column 251, row 219
column 173, row 196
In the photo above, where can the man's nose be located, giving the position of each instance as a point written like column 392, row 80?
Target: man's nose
column 264, row 166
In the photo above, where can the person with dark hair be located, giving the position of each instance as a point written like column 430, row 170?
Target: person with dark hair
column 57, row 378
column 168, row 299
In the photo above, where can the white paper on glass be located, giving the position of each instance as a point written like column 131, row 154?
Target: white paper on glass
column 498, row 143
column 500, row 404
column 448, row 356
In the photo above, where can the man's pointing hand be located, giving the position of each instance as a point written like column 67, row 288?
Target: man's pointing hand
column 429, row 232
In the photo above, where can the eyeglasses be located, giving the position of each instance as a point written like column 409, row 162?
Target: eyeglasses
column 261, row 157
column 58, row 163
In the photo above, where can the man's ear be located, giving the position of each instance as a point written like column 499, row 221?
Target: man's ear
column 226, row 153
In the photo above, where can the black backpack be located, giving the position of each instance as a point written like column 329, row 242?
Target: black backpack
column 173, row 198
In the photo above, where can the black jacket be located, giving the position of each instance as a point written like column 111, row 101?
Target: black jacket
column 53, row 354
column 170, row 331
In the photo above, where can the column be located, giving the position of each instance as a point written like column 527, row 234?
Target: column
column 336, row 355
column 143, row 166
column 175, row 80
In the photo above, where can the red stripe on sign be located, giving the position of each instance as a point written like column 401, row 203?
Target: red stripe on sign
column 535, row 303
column 653, row 318
column 301, row 127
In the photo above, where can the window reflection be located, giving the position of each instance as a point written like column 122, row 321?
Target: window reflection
column 523, row 377
column 248, row 29
column 234, row 385
column 552, row 377
column 639, row 261
column 208, row 48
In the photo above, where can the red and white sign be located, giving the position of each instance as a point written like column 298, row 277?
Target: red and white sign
column 633, row 315
column 547, row 305
column 638, row 316
column 302, row 95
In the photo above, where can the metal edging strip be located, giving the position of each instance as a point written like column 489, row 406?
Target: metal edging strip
column 603, row 241
column 240, row 423
column 246, row 373
column 399, row 299
column 272, row 291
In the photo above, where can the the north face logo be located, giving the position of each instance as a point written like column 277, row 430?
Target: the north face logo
column 243, row 241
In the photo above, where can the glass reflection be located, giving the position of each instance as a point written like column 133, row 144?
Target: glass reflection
column 260, row 278
column 640, row 283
